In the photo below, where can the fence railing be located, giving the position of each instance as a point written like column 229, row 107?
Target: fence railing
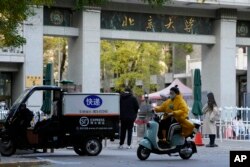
column 234, row 123
column 228, row 127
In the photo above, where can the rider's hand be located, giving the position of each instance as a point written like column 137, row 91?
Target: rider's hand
column 170, row 114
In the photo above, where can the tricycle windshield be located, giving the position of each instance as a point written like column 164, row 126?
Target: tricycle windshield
column 18, row 102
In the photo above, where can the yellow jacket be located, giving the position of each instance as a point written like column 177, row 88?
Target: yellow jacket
column 180, row 110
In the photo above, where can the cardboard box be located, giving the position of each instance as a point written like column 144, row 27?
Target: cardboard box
column 32, row 137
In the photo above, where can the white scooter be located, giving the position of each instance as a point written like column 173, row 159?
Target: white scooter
column 178, row 144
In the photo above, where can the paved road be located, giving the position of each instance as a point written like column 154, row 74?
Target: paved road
column 111, row 155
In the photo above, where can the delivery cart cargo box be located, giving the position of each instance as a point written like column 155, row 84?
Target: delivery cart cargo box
column 91, row 104
column 92, row 114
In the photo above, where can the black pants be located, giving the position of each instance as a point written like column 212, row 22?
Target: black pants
column 126, row 126
column 212, row 139
column 165, row 125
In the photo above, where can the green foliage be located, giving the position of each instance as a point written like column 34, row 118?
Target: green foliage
column 188, row 48
column 157, row 2
column 130, row 61
column 181, row 50
column 52, row 46
column 81, row 3
column 12, row 15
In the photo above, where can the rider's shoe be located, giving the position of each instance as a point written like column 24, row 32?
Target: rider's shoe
column 164, row 144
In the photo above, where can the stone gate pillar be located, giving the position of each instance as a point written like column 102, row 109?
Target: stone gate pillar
column 84, row 51
column 218, row 61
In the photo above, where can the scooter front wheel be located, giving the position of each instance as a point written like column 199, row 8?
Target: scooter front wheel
column 143, row 153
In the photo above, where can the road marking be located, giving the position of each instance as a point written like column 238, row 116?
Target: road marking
column 59, row 162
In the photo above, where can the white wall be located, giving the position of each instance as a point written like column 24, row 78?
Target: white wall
column 33, row 65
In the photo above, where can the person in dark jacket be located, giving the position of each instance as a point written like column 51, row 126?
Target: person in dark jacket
column 128, row 112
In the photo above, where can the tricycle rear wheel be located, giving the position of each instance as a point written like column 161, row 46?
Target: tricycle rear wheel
column 93, row 146
column 79, row 150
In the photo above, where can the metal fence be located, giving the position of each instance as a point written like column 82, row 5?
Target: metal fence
column 234, row 123
column 228, row 128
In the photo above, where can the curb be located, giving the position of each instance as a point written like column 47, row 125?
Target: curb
column 23, row 163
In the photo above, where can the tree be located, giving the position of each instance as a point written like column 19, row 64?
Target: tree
column 53, row 48
column 12, row 15
column 128, row 62
column 181, row 50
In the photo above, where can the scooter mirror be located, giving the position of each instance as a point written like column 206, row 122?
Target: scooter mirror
column 154, row 104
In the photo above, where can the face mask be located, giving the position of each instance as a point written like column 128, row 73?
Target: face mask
column 172, row 96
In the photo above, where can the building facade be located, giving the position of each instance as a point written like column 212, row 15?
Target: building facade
column 218, row 26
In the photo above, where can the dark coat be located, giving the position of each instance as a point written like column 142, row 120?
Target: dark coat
column 128, row 106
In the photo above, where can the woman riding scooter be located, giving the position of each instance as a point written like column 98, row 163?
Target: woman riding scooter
column 174, row 106
column 179, row 135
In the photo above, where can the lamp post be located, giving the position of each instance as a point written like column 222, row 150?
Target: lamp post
column 147, row 106
column 146, row 97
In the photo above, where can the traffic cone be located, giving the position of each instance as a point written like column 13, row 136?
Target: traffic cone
column 198, row 139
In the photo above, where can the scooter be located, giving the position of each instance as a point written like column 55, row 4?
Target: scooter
column 178, row 144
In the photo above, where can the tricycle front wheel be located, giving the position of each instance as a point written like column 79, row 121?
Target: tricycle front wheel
column 7, row 147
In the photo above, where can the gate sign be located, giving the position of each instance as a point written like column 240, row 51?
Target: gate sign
column 132, row 21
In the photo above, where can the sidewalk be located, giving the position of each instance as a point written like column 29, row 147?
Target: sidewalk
column 22, row 160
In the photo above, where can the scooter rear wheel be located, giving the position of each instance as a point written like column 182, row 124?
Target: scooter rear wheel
column 185, row 156
column 186, row 152
column 143, row 153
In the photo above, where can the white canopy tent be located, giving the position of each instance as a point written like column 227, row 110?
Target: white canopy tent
column 185, row 91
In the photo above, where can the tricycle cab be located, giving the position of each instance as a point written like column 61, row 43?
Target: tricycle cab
column 63, row 120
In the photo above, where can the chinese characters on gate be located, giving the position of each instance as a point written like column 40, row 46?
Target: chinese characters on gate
column 155, row 23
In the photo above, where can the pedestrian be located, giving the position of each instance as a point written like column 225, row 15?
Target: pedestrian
column 128, row 112
column 211, row 115
column 26, row 116
column 238, row 127
column 175, row 109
